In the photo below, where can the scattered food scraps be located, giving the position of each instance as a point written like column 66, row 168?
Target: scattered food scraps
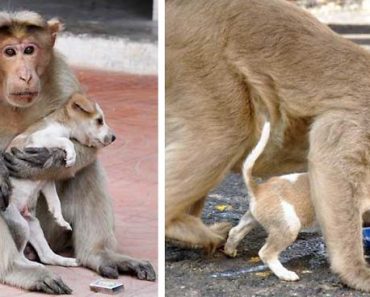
column 223, row 207
column 263, row 273
column 254, row 259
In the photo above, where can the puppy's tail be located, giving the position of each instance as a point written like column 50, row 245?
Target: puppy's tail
column 253, row 156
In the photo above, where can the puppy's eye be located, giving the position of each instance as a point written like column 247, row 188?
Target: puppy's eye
column 29, row 50
column 10, row 52
column 99, row 121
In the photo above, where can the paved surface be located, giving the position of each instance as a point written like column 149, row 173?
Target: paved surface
column 130, row 106
column 191, row 273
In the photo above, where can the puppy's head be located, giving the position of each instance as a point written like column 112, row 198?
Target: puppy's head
column 88, row 122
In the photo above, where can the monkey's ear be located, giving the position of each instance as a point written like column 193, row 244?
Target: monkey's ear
column 55, row 26
column 80, row 103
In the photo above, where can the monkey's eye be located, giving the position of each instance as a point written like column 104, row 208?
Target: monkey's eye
column 99, row 121
column 10, row 52
column 29, row 50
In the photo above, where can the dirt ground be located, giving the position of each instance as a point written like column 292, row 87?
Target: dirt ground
column 191, row 273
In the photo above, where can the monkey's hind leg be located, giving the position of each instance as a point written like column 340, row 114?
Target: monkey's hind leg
column 191, row 231
column 17, row 271
column 95, row 245
column 338, row 171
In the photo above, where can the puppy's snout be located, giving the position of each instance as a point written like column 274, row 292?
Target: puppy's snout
column 108, row 139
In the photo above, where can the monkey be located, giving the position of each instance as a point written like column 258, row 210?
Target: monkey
column 35, row 81
column 237, row 60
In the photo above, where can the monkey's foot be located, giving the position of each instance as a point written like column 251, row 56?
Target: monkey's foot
column 220, row 232
column 51, row 285
column 35, row 277
column 222, row 229
column 112, row 264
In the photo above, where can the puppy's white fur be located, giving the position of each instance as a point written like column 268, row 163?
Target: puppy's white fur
column 281, row 205
column 54, row 131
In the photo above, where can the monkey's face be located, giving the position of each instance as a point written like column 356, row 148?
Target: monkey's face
column 26, row 48
column 90, row 127
column 22, row 65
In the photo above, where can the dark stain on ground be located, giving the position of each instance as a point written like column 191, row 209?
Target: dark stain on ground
column 192, row 273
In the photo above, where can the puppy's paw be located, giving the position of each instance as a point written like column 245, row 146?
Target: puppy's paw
column 70, row 262
column 62, row 223
column 289, row 276
column 70, row 158
column 230, row 251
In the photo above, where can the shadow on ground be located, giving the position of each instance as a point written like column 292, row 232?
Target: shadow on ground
column 192, row 273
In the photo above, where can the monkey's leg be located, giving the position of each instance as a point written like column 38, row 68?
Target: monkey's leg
column 197, row 208
column 17, row 271
column 89, row 208
column 189, row 177
column 337, row 177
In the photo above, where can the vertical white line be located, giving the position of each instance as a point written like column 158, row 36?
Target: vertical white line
column 161, row 147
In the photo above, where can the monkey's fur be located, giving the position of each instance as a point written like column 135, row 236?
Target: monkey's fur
column 85, row 202
column 237, row 58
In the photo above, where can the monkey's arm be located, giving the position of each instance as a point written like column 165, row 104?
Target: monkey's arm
column 47, row 163
column 5, row 187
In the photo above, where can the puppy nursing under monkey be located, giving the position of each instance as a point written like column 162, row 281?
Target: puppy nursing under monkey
column 239, row 59
column 34, row 82
column 282, row 205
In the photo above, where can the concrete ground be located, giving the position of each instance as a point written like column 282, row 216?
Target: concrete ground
column 130, row 106
column 191, row 273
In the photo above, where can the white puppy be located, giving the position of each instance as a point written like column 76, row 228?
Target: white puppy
column 282, row 205
column 79, row 119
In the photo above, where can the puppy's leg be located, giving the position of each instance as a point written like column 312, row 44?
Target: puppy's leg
column 54, row 205
column 338, row 170
column 277, row 241
column 236, row 234
column 18, row 226
column 38, row 241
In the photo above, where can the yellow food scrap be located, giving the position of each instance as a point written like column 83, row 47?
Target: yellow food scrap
column 254, row 259
column 223, row 207
column 263, row 273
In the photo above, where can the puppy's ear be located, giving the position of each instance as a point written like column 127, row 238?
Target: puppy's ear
column 55, row 26
column 80, row 104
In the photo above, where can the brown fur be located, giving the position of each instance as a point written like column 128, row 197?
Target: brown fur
column 238, row 58
column 85, row 199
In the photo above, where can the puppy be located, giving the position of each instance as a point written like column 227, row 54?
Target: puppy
column 79, row 119
column 283, row 207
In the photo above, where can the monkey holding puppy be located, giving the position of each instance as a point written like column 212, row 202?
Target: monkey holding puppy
column 236, row 59
column 79, row 119
column 35, row 81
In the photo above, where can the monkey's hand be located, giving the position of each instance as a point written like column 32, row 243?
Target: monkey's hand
column 31, row 163
column 5, row 186
column 47, row 163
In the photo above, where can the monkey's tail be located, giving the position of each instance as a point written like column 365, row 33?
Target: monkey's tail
column 253, row 156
